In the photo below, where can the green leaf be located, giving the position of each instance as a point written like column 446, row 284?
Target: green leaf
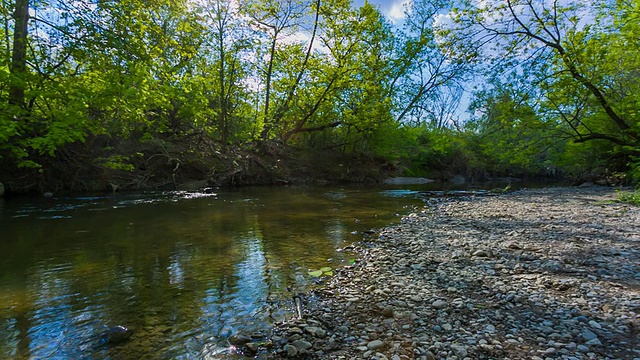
column 316, row 273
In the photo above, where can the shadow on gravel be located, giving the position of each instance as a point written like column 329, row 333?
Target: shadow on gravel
column 531, row 275
column 563, row 283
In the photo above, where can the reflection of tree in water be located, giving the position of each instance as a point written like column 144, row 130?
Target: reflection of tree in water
column 185, row 276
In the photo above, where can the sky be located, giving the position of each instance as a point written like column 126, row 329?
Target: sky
column 393, row 9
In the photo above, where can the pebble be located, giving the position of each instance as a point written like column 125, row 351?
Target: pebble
column 290, row 350
column 459, row 350
column 583, row 348
column 302, row 345
column 593, row 342
column 588, row 335
column 595, row 325
column 480, row 253
column 375, row 345
column 439, row 304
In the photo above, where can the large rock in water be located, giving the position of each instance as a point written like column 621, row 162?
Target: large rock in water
column 112, row 336
column 407, row 181
column 117, row 334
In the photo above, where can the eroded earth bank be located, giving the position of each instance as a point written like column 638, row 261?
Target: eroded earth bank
column 534, row 274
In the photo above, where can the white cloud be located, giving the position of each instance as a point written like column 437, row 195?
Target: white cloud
column 300, row 37
column 396, row 12
column 296, row 38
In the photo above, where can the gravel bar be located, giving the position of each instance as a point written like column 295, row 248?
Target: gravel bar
column 549, row 273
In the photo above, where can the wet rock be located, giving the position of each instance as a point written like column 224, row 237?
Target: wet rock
column 118, row 334
column 239, row 339
column 290, row 350
column 302, row 345
column 252, row 347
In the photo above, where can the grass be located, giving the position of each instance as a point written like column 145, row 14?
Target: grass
column 632, row 198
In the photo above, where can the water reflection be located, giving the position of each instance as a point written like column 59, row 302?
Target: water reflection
column 185, row 271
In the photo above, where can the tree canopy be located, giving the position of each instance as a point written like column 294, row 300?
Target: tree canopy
column 120, row 85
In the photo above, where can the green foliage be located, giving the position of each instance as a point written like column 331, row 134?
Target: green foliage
column 116, row 162
column 634, row 167
column 632, row 198
column 571, row 103
column 214, row 75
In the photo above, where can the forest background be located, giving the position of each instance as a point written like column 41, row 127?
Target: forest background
column 100, row 95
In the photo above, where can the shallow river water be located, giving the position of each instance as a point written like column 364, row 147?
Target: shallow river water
column 186, row 271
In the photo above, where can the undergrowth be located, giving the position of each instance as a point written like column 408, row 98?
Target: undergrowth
column 632, row 198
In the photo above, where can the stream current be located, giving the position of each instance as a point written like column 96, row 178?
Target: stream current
column 186, row 271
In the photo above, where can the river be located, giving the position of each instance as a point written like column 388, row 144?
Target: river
column 186, row 271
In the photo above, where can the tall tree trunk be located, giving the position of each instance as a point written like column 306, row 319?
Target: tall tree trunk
column 19, row 55
column 6, row 42
column 272, row 54
column 285, row 105
column 224, row 125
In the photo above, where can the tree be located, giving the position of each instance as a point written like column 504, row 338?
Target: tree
column 511, row 135
column 547, row 43
column 275, row 20
column 358, row 69
column 19, row 53
column 422, row 70
column 228, row 45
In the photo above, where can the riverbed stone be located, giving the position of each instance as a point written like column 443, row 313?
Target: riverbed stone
column 594, row 342
column 481, row 253
column 239, row 339
column 588, row 335
column 459, row 350
column 302, row 345
column 375, row 344
column 252, row 347
column 316, row 331
column 439, row 304
column 290, row 350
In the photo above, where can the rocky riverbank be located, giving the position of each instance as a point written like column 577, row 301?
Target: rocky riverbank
column 534, row 274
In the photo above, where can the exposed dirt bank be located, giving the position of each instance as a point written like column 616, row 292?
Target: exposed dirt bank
column 101, row 164
column 534, row 274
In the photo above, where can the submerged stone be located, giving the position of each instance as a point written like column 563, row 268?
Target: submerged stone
column 118, row 334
